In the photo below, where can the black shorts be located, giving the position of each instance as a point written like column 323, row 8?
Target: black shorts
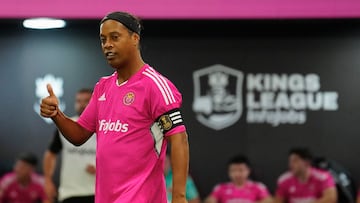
column 82, row 199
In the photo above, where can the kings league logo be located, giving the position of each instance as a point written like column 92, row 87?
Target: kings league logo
column 270, row 98
column 41, row 92
column 218, row 96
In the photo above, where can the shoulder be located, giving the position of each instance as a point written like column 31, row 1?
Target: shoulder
column 160, row 85
column 7, row 180
column 286, row 177
column 151, row 76
column 105, row 80
column 257, row 185
column 222, row 186
column 320, row 175
column 37, row 179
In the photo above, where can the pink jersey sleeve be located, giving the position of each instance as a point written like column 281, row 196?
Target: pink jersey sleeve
column 262, row 191
column 217, row 192
column 88, row 118
column 5, row 181
column 281, row 190
column 2, row 190
column 165, row 100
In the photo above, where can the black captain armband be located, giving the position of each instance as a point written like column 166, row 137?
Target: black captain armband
column 170, row 120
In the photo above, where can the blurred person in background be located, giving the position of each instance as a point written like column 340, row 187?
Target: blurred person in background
column 23, row 185
column 191, row 193
column 77, row 174
column 240, row 188
column 303, row 183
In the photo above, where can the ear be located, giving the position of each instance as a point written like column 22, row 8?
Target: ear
column 136, row 38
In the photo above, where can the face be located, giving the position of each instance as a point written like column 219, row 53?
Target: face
column 239, row 173
column 117, row 43
column 297, row 165
column 23, row 170
column 81, row 101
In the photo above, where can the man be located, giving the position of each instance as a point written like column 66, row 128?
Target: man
column 23, row 184
column 134, row 113
column 192, row 195
column 241, row 189
column 303, row 183
column 77, row 175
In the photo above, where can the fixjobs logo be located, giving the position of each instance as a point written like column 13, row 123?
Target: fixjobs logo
column 270, row 98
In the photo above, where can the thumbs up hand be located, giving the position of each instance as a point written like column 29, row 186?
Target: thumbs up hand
column 49, row 105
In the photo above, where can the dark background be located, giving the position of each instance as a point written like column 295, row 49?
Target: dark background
column 330, row 48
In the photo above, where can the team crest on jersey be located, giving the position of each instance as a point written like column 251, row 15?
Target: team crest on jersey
column 129, row 98
column 218, row 96
column 41, row 92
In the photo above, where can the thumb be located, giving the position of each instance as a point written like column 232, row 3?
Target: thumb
column 50, row 90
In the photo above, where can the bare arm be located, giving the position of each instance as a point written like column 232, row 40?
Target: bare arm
column 196, row 200
column 267, row 200
column 180, row 165
column 49, row 165
column 358, row 199
column 211, row 200
column 329, row 196
column 71, row 130
column 279, row 199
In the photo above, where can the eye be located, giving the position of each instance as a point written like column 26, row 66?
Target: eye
column 114, row 37
column 103, row 40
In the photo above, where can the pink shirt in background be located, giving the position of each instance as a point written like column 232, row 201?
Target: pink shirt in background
column 251, row 192
column 130, row 147
column 12, row 191
column 293, row 191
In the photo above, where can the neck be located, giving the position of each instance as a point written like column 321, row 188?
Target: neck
column 240, row 184
column 24, row 181
column 303, row 177
column 129, row 69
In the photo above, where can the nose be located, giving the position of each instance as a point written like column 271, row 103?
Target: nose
column 108, row 44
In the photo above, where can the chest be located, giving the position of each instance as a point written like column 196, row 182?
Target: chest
column 125, row 103
column 310, row 189
column 20, row 194
column 241, row 195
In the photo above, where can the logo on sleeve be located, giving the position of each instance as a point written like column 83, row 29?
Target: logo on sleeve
column 129, row 98
column 166, row 122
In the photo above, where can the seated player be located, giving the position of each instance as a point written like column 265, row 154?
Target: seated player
column 303, row 183
column 23, row 185
column 192, row 195
column 241, row 189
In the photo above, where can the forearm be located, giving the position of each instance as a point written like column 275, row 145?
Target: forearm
column 278, row 200
column 210, row 200
column 326, row 200
column 71, row 130
column 179, row 163
column 266, row 200
column 329, row 196
column 49, row 165
column 196, row 200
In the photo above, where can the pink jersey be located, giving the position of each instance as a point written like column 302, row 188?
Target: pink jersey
column 292, row 190
column 12, row 191
column 251, row 192
column 131, row 120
